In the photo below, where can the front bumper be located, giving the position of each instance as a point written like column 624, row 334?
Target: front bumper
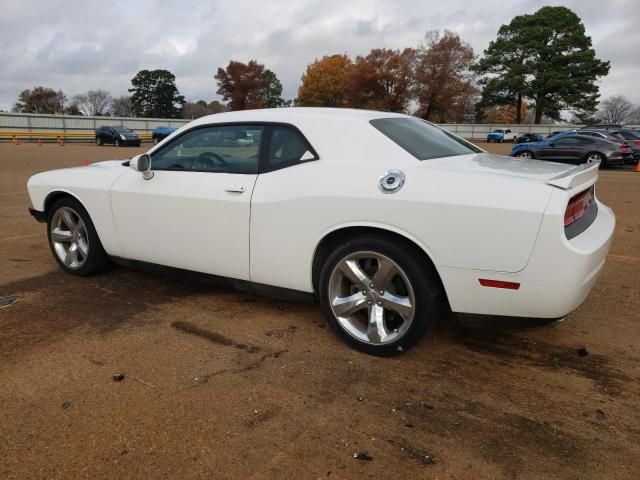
column 557, row 279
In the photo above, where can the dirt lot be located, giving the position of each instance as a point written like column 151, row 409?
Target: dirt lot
column 220, row 384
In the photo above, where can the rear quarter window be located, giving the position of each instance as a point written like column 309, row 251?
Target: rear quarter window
column 422, row 139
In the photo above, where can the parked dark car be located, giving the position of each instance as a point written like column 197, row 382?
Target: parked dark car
column 575, row 149
column 630, row 138
column 529, row 137
column 160, row 133
column 602, row 126
column 117, row 136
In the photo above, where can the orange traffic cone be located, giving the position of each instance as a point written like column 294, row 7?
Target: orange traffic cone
column 638, row 166
column 85, row 163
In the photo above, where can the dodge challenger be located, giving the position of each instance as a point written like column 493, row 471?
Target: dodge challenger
column 387, row 220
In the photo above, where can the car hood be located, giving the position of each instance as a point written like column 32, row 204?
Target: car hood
column 489, row 164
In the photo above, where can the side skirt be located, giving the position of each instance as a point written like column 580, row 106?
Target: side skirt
column 218, row 281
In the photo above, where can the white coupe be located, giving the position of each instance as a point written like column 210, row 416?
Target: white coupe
column 389, row 221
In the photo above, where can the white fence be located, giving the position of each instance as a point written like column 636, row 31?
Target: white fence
column 31, row 122
column 34, row 123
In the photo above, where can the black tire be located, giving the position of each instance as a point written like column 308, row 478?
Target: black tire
column 527, row 151
column 155, row 140
column 430, row 302
column 117, row 143
column 97, row 259
column 99, row 141
column 603, row 158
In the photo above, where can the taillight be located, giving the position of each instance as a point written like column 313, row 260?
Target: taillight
column 637, row 142
column 625, row 149
column 578, row 206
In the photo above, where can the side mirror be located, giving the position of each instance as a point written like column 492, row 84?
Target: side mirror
column 142, row 163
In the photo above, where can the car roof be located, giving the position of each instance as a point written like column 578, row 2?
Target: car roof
column 297, row 114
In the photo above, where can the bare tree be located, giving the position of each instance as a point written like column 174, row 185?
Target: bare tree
column 616, row 109
column 634, row 116
column 121, row 106
column 94, row 102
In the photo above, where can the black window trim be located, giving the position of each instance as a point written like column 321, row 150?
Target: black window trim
column 263, row 152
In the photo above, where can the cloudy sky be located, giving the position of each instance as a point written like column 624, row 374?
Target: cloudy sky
column 80, row 45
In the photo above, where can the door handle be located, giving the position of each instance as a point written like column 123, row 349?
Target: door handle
column 234, row 189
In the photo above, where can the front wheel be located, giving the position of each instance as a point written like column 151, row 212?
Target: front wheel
column 527, row 154
column 379, row 295
column 118, row 142
column 155, row 141
column 98, row 141
column 73, row 239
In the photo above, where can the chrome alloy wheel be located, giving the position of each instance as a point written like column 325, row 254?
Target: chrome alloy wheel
column 371, row 297
column 525, row 155
column 594, row 158
column 69, row 237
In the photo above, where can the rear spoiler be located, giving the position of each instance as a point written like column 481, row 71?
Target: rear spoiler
column 575, row 176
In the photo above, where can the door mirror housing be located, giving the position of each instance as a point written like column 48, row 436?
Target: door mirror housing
column 142, row 163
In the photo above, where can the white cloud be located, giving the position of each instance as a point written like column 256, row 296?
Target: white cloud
column 81, row 45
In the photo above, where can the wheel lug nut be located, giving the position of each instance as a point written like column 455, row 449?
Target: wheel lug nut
column 371, row 285
column 381, row 292
column 364, row 292
column 379, row 303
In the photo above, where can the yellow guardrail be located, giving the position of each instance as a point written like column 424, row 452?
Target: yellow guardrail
column 11, row 135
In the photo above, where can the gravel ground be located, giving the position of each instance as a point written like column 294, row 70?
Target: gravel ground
column 221, row 384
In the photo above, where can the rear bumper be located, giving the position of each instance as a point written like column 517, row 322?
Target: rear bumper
column 557, row 279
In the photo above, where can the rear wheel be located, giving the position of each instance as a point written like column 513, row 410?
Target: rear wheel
column 73, row 239
column 594, row 157
column 118, row 142
column 155, row 141
column 98, row 141
column 527, row 154
column 378, row 295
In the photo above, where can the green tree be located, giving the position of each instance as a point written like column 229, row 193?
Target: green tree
column 547, row 58
column 504, row 75
column 272, row 91
column 40, row 100
column 154, row 94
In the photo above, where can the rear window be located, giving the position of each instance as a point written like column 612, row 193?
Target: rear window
column 422, row 139
column 628, row 135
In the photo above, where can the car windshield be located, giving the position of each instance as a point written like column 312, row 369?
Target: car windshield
column 498, row 131
column 422, row 139
column 122, row 130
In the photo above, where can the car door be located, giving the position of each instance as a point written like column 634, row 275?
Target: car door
column 194, row 212
column 288, row 166
column 562, row 149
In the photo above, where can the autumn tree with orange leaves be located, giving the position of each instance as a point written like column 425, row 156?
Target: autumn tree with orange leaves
column 326, row 82
column 382, row 80
column 444, row 86
column 242, row 85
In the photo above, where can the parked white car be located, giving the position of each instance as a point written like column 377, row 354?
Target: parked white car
column 387, row 220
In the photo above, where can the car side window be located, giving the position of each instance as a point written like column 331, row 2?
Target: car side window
column 568, row 141
column 287, row 147
column 220, row 149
